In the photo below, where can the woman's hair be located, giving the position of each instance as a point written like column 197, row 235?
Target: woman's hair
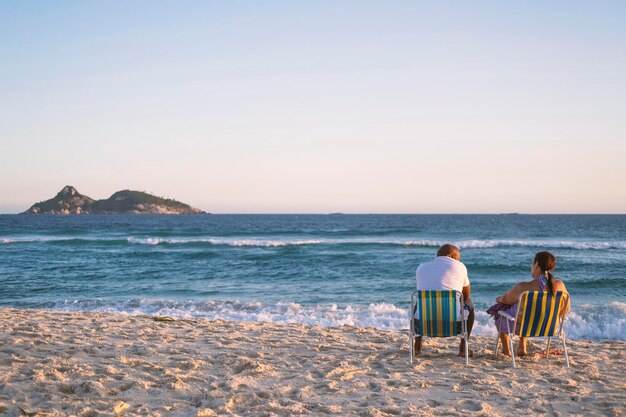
column 546, row 262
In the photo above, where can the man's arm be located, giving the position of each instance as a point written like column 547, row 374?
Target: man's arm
column 466, row 292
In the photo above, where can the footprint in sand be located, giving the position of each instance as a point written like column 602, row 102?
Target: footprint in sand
column 263, row 395
column 433, row 403
column 471, row 405
column 373, row 386
column 384, row 412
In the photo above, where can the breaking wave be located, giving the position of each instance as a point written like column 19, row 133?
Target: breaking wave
column 290, row 241
column 585, row 322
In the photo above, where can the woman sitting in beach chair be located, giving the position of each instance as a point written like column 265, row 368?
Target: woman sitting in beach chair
column 541, row 272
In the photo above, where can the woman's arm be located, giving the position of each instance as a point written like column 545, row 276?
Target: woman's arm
column 511, row 296
column 561, row 287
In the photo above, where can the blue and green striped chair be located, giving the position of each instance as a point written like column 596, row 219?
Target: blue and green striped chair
column 538, row 316
column 437, row 314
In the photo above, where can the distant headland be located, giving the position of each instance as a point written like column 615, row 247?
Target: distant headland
column 70, row 201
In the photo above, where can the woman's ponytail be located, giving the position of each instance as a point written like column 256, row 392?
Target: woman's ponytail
column 549, row 277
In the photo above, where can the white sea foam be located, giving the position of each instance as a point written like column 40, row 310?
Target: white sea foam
column 491, row 243
column 33, row 239
column 225, row 242
column 584, row 322
column 287, row 241
column 567, row 244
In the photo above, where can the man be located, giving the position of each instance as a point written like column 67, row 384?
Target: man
column 446, row 272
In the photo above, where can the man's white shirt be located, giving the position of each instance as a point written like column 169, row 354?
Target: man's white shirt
column 442, row 273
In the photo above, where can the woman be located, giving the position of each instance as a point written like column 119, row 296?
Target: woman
column 541, row 272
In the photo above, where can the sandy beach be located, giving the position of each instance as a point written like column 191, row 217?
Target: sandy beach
column 91, row 364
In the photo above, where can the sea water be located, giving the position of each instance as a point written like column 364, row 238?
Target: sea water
column 327, row 270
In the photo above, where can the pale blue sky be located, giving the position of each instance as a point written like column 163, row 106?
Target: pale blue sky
column 314, row 107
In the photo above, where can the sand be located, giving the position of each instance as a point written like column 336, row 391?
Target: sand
column 92, row 364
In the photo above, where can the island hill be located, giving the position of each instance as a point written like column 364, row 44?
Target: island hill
column 70, row 201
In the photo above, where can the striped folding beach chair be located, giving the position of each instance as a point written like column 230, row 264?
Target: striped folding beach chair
column 538, row 316
column 436, row 314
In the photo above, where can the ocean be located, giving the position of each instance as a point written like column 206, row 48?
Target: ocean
column 327, row 270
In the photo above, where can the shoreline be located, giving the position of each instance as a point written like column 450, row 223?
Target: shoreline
column 89, row 364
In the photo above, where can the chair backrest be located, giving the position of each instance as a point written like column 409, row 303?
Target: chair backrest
column 437, row 312
column 538, row 313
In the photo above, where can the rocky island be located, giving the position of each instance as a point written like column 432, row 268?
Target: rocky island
column 70, row 201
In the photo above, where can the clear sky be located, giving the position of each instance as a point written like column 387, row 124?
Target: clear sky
column 317, row 106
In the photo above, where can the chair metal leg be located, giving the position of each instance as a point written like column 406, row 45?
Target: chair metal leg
column 565, row 348
column 512, row 350
column 411, row 347
column 508, row 328
column 495, row 351
column 465, row 338
column 548, row 348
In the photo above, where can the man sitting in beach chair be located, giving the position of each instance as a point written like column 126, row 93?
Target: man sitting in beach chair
column 446, row 272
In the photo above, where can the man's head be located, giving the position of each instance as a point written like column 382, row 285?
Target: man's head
column 450, row 251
